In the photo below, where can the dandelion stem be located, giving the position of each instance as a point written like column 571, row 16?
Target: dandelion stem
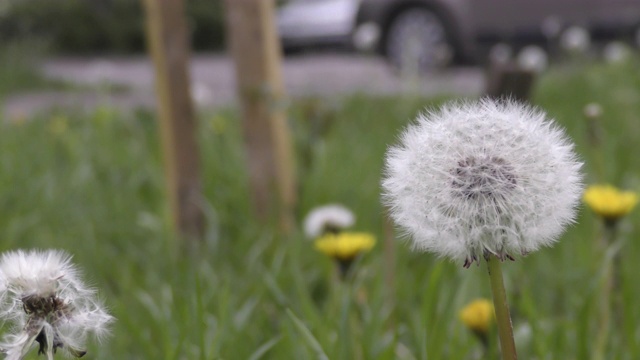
column 610, row 291
column 345, row 336
column 503, row 319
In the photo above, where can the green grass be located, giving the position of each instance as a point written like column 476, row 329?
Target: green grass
column 92, row 184
column 17, row 68
column 19, row 72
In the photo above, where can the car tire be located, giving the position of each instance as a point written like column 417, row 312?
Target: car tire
column 416, row 41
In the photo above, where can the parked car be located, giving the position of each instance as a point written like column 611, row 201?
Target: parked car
column 430, row 33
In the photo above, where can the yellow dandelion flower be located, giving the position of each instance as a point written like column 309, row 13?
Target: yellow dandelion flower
column 609, row 202
column 58, row 125
column 345, row 246
column 478, row 315
column 218, row 124
column 18, row 119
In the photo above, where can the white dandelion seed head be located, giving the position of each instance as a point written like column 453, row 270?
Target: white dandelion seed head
column 327, row 218
column 41, row 292
column 500, row 53
column 37, row 273
column 575, row 39
column 592, row 110
column 551, row 26
column 616, row 52
column 482, row 177
column 533, row 58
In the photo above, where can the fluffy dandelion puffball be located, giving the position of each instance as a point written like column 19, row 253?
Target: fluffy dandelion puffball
column 478, row 315
column 43, row 297
column 592, row 110
column 575, row 39
column 483, row 177
column 533, row 58
column 330, row 218
column 610, row 202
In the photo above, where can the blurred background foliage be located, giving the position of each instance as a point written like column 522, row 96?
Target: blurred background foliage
column 101, row 26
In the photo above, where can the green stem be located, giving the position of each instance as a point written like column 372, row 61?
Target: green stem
column 503, row 319
column 345, row 335
column 610, row 289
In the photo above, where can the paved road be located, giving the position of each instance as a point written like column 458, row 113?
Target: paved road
column 323, row 75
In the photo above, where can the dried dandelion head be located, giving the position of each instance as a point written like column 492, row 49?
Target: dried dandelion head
column 325, row 219
column 42, row 296
column 482, row 177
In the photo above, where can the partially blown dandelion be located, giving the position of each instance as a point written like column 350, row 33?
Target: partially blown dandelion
column 331, row 218
column 483, row 177
column 42, row 296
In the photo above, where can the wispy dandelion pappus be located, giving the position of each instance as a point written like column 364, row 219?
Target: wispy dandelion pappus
column 42, row 295
column 328, row 219
column 485, row 177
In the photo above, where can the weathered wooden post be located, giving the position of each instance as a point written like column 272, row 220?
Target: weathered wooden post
column 169, row 47
column 256, row 52
column 509, row 80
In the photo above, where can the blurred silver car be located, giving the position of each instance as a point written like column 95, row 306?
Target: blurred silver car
column 429, row 33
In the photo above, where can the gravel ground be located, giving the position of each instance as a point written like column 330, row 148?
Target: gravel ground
column 324, row 75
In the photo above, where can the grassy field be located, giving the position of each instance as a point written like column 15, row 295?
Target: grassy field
column 91, row 184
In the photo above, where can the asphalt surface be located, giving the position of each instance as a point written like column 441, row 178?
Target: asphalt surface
column 329, row 76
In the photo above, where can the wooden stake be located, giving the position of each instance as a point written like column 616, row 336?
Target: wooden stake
column 256, row 52
column 509, row 81
column 168, row 45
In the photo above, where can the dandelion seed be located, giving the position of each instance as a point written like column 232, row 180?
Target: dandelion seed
column 42, row 296
column 331, row 218
column 484, row 177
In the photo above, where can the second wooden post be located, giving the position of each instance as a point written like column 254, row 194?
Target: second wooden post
column 256, row 52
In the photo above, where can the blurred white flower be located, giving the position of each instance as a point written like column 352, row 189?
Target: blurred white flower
column 575, row 39
column 551, row 26
column 592, row 110
column 42, row 296
column 616, row 52
column 330, row 218
column 500, row 53
column 201, row 93
column 483, row 177
column 533, row 58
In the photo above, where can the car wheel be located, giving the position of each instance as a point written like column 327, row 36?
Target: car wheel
column 417, row 41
